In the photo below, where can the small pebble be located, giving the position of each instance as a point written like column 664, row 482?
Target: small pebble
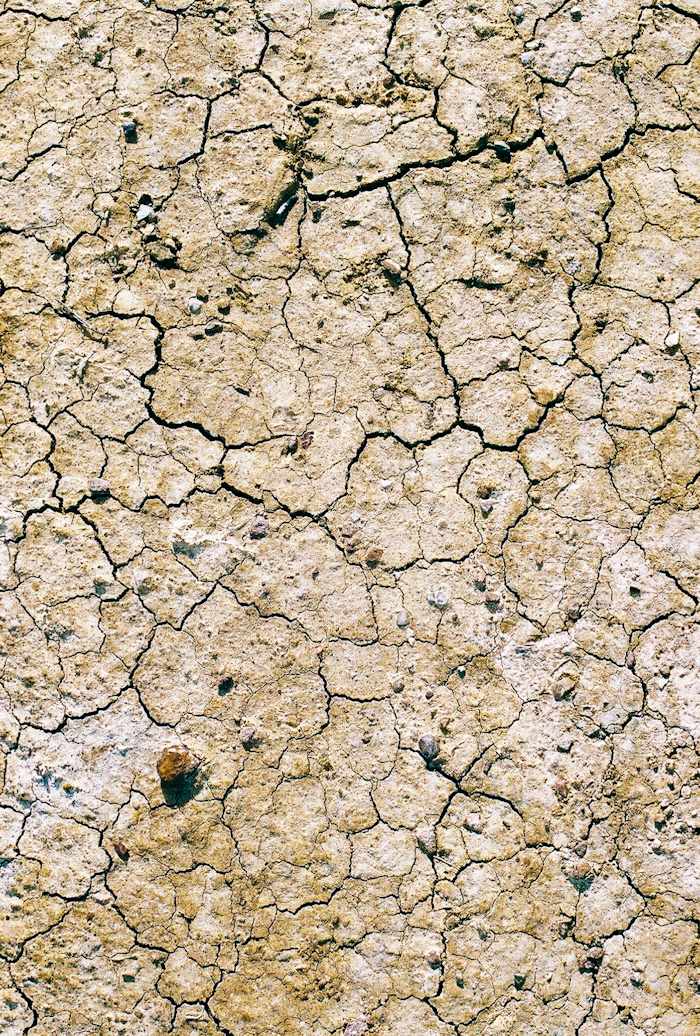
column 259, row 528
column 427, row 840
column 374, row 555
column 357, row 1027
column 673, row 339
column 474, row 823
column 194, row 306
column 630, row 659
column 528, row 57
column 439, row 598
column 247, row 736
column 391, row 267
column 566, row 743
column 573, row 610
column 576, row 14
column 428, row 747
column 433, row 958
column 402, row 619
column 121, row 850
column 129, row 128
column 518, row 13
column 519, row 980
column 397, row 684
column 502, row 150
column 580, row 849
column 99, row 487
column 479, row 578
column 144, row 212
column 532, row 45
column 176, row 763
column 306, row 439
column 561, row 790
column 348, row 530
column 459, row 979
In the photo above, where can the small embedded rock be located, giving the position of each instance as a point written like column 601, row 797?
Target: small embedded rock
column 573, row 610
column 99, row 487
column 581, row 848
column 391, row 267
column 397, row 684
column 561, row 790
column 402, row 619
column 259, row 528
column 427, row 840
column 176, row 763
column 357, row 1027
column 374, row 555
column 519, row 980
column 428, row 747
column 121, row 850
column 439, row 598
column 502, row 150
column 566, row 743
column 194, row 306
column 433, row 958
column 247, row 736
column 528, row 57
column 474, row 823
column 479, row 578
column 576, row 14
column 143, row 213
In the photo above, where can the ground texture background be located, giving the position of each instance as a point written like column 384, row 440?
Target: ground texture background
column 350, row 445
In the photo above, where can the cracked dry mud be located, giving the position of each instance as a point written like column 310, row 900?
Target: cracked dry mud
column 350, row 462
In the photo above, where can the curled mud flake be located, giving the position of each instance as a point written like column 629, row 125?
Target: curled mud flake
column 428, row 747
column 176, row 764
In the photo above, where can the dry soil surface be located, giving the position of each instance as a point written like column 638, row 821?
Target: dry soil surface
column 349, row 486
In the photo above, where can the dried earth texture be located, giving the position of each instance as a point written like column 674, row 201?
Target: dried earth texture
column 349, row 501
